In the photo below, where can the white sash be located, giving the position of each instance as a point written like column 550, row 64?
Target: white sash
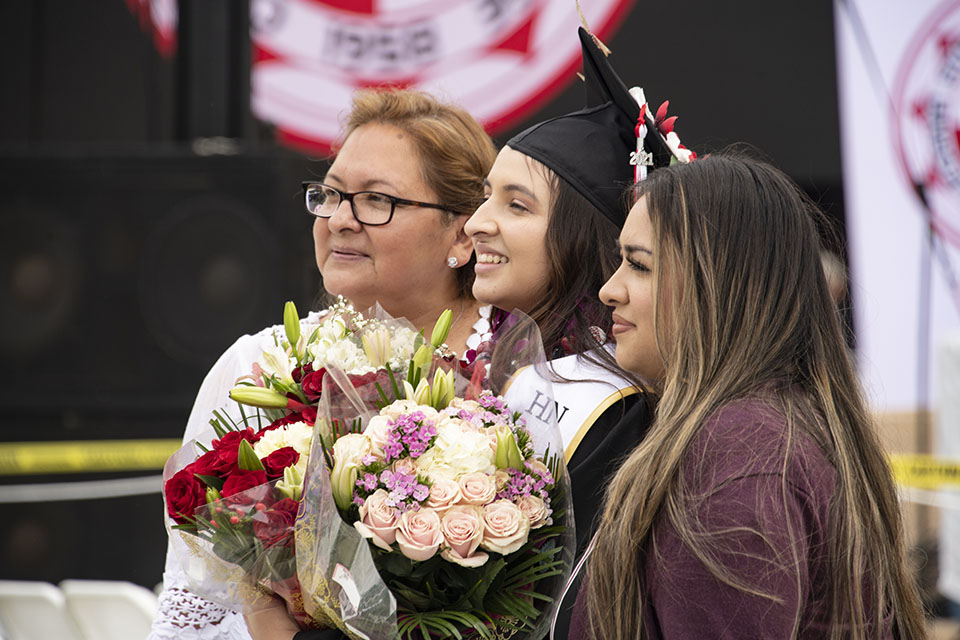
column 576, row 405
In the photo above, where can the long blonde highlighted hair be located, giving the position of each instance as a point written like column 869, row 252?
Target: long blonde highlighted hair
column 750, row 309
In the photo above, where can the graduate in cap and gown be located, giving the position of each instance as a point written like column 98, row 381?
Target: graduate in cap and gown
column 546, row 241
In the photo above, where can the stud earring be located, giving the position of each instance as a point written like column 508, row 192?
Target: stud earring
column 452, row 262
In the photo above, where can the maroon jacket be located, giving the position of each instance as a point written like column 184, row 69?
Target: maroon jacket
column 735, row 465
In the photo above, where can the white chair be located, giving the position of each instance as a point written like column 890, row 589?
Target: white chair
column 34, row 611
column 110, row 609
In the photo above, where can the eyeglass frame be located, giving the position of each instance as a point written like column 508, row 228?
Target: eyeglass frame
column 345, row 195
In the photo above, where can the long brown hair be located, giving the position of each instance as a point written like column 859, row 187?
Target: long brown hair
column 750, row 310
column 455, row 152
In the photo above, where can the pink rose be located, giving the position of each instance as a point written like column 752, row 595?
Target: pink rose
column 505, row 527
column 539, row 468
column 444, row 493
column 501, row 478
column 462, row 528
column 535, row 509
column 492, row 435
column 378, row 520
column 406, row 466
column 477, row 488
column 419, row 534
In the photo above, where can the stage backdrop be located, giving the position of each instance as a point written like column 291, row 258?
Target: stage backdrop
column 900, row 121
column 899, row 83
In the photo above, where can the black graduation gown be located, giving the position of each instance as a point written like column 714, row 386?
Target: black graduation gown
column 598, row 456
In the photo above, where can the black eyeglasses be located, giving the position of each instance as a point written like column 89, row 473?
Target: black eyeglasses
column 369, row 207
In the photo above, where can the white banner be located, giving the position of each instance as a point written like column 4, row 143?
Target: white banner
column 499, row 59
column 899, row 83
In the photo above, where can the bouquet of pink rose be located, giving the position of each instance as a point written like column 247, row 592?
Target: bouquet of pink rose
column 434, row 515
column 237, row 500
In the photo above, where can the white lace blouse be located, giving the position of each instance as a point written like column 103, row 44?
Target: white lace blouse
column 181, row 614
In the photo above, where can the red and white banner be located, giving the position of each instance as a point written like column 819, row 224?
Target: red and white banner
column 159, row 18
column 899, row 82
column 499, row 59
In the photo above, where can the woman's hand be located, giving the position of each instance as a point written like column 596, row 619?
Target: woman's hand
column 271, row 621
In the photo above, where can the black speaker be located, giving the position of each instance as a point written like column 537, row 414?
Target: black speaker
column 124, row 276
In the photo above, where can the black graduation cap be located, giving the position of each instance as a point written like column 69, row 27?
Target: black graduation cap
column 591, row 148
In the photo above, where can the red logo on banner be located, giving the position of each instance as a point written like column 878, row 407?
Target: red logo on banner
column 499, row 59
column 158, row 17
column 927, row 103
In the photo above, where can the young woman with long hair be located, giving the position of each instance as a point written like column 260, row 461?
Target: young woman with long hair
column 759, row 504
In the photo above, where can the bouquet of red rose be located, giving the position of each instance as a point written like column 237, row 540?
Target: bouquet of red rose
column 235, row 503
column 433, row 514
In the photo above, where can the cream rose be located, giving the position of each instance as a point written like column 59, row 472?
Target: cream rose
column 378, row 520
column 462, row 528
column 419, row 534
column 535, row 509
column 457, row 451
column 505, row 527
column 470, row 405
column 444, row 493
column 377, row 430
column 399, row 407
column 296, row 434
column 477, row 488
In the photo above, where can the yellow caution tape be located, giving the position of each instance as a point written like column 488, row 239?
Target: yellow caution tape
column 84, row 456
column 924, row 472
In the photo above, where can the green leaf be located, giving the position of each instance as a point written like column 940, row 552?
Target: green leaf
column 393, row 384
column 247, row 459
column 217, row 428
column 416, row 599
column 396, row 564
column 211, row 481
column 383, row 397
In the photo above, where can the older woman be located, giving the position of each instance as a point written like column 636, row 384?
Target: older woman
column 389, row 229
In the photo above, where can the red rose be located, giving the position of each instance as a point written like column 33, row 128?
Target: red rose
column 184, row 494
column 312, row 383
column 277, row 461
column 207, row 464
column 298, row 373
column 290, row 419
column 226, row 449
column 361, row 380
column 274, row 527
column 242, row 487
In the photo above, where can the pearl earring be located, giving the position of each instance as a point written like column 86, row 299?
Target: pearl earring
column 452, row 262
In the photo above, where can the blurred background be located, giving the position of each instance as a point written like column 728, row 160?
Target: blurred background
column 151, row 154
